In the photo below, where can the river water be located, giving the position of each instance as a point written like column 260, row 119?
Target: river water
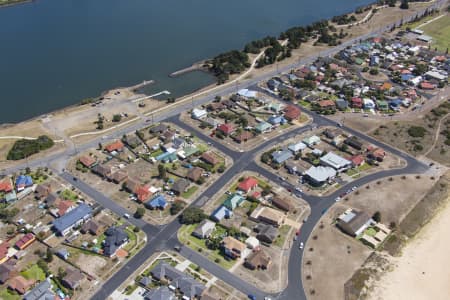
column 53, row 53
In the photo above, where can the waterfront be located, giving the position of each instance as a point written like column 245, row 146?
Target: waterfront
column 56, row 52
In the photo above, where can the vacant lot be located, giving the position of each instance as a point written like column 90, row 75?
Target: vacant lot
column 440, row 31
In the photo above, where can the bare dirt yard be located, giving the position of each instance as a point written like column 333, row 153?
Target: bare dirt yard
column 393, row 198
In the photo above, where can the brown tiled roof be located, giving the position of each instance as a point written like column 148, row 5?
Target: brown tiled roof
column 87, row 161
column 210, row 158
column 195, row 173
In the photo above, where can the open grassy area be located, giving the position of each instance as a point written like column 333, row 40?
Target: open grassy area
column 7, row 295
column 185, row 236
column 69, row 195
column 440, row 31
column 34, row 272
column 282, row 234
column 189, row 192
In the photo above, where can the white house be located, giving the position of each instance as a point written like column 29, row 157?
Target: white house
column 198, row 114
column 368, row 103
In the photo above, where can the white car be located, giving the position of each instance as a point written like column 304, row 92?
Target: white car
column 299, row 189
column 354, row 188
column 301, row 246
column 337, row 199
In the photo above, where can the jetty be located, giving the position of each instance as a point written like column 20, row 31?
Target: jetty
column 198, row 66
column 141, row 85
column 151, row 96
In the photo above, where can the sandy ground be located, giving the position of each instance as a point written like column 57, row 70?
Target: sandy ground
column 419, row 275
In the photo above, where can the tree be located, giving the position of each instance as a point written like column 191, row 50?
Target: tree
column 100, row 146
column 377, row 216
column 43, row 266
column 176, row 207
column 162, row 172
column 61, row 273
column 404, row 4
column 192, row 215
column 49, row 256
column 117, row 118
column 140, row 211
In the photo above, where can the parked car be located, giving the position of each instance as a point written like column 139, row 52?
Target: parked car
column 250, row 296
column 126, row 216
column 337, row 199
column 301, row 246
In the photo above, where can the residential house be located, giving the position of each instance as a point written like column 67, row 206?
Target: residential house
column 204, row 229
column 357, row 102
column 425, row 85
column 116, row 146
column 354, row 142
column 326, row 105
column 194, row 174
column 6, row 185
column 210, row 158
column 319, row 175
column 220, row 213
column 263, row 127
column 291, row 112
column 297, row 147
column 268, row 215
column 357, row 160
column 354, row 222
column 25, row 241
column 199, row 114
column 115, row 239
column 91, row 227
column 232, row 247
column 376, row 153
column 275, row 107
column 158, row 202
column 62, row 207
column 72, row 219
column 104, row 171
column 158, row 129
column 282, row 203
column 293, row 167
column 233, row 201
column 63, row 253
column 87, row 161
column 266, row 233
column 332, row 133
column 42, row 191
column 311, row 141
column 252, row 242
column 7, row 271
column 246, row 93
column 23, row 181
column 341, row 104
column 248, row 184
column 215, row 106
column 280, row 157
column 42, row 291
column 335, row 161
column 165, row 273
column 161, row 293
column 258, row 260
column 226, row 129
column 382, row 105
column 244, row 136
column 20, row 284
column 188, row 287
column 51, row 200
column 180, row 186
column 73, row 278
column 143, row 193
column 276, row 120
column 10, row 197
column 119, row 176
column 4, row 248
column 368, row 103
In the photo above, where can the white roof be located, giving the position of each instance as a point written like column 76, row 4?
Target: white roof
column 335, row 161
column 320, row 173
column 436, row 75
column 247, row 93
column 252, row 242
column 368, row 101
column 296, row 147
column 199, row 112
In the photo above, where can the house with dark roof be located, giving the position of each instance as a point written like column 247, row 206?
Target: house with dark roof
column 42, row 291
column 73, row 278
column 258, row 260
column 266, row 233
column 91, row 227
column 165, row 272
column 210, row 158
column 354, row 222
column 119, row 176
column 158, row 202
column 7, row 271
column 194, row 174
column 42, row 191
column 103, row 170
column 161, row 293
column 115, row 239
column 244, row 136
column 280, row 157
column 51, row 199
column 232, row 247
column 63, row 253
column 75, row 217
column 282, row 203
column 189, row 287
column 354, row 142
column 160, row 128
column 180, row 186
column 20, row 284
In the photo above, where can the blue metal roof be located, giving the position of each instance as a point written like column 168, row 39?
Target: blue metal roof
column 24, row 180
column 221, row 212
column 158, row 201
column 73, row 216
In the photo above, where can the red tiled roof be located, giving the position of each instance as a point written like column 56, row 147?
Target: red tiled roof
column 26, row 240
column 427, row 86
column 357, row 159
column 247, row 184
column 20, row 284
column 87, row 161
column 117, row 145
column 226, row 128
column 326, row 103
column 64, row 207
column 210, row 158
column 379, row 152
column 6, row 185
column 143, row 193
column 291, row 112
column 3, row 250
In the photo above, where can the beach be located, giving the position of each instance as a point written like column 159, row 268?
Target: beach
column 422, row 272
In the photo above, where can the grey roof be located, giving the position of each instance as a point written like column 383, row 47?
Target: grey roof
column 158, row 128
column 180, row 186
column 69, row 219
column 42, row 291
column 145, row 281
column 320, row 173
column 115, row 237
column 161, row 293
column 164, row 270
column 266, row 232
column 189, row 287
column 282, row 156
column 335, row 161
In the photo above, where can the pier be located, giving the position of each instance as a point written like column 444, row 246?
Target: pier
column 195, row 67
column 151, row 96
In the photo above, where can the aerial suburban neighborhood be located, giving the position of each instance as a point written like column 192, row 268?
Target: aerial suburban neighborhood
column 318, row 162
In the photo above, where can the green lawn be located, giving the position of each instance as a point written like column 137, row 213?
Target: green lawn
column 156, row 153
column 370, row 231
column 185, row 236
column 7, row 295
column 364, row 167
column 34, row 272
column 69, row 195
column 133, row 239
column 304, row 103
column 282, row 234
column 440, row 31
column 189, row 192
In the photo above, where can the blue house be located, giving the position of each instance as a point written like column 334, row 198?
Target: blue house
column 23, row 181
column 72, row 219
column 407, row 77
column 275, row 120
column 158, row 202
column 395, row 104
column 167, row 157
column 220, row 213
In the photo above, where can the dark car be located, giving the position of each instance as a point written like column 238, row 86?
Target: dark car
column 250, row 296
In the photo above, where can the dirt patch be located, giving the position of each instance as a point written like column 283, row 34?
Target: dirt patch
column 380, row 77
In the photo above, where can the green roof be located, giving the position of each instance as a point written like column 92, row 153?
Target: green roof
column 188, row 151
column 233, row 201
column 263, row 126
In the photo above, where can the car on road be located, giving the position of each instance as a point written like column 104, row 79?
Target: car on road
column 267, row 298
column 251, row 297
column 354, row 188
column 339, row 124
column 366, row 115
column 299, row 189
column 337, row 199
column 289, row 190
column 281, row 178
column 75, row 179
column 343, row 195
column 301, row 246
column 126, row 216
column 177, row 248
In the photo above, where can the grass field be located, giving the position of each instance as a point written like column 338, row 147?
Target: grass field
column 6, row 295
column 440, row 31
column 34, row 272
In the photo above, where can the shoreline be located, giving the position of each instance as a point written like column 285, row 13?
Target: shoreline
column 15, row 3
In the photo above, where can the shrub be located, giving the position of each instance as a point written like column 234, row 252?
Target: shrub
column 24, row 148
column 416, row 131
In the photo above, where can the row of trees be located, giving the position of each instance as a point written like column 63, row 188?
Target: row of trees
column 343, row 19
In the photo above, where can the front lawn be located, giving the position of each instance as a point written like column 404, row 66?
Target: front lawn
column 189, row 192
column 8, row 295
column 282, row 234
column 69, row 195
column 185, row 237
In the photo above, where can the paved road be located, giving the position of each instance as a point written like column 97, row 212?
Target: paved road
column 164, row 237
